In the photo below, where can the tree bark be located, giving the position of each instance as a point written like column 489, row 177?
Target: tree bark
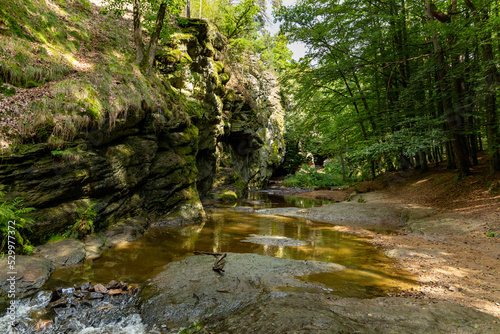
column 343, row 168
column 153, row 43
column 188, row 9
column 139, row 46
column 424, row 167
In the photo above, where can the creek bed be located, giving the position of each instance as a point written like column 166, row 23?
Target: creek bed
column 368, row 272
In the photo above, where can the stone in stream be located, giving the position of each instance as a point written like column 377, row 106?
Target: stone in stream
column 113, row 285
column 189, row 290
column 86, row 286
column 260, row 294
column 99, row 288
column 95, row 295
column 32, row 273
column 63, row 252
column 274, row 240
column 113, row 292
column 42, row 324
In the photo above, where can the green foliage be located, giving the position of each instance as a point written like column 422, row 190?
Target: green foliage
column 386, row 81
column 56, row 237
column 85, row 223
column 197, row 326
column 309, row 177
column 149, row 11
column 13, row 211
column 490, row 234
column 6, row 91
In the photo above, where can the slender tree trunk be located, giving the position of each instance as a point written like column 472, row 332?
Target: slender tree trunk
column 188, row 9
column 139, row 46
column 153, row 43
column 473, row 142
column 343, row 168
column 454, row 120
column 424, row 167
column 450, row 162
column 492, row 75
column 201, row 4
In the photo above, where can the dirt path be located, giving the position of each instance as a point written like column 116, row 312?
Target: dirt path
column 448, row 250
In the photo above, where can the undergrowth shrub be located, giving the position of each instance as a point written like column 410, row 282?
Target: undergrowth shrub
column 85, row 223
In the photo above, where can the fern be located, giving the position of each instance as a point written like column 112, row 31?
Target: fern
column 12, row 210
column 85, row 223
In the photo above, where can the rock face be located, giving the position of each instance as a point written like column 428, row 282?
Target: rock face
column 138, row 168
column 255, row 127
column 153, row 163
column 192, row 64
column 240, row 109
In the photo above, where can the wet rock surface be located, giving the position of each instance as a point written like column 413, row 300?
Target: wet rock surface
column 31, row 273
column 81, row 308
column 260, row 294
column 273, row 240
column 313, row 313
column 63, row 252
column 189, row 290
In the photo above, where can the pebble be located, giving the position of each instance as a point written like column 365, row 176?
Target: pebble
column 42, row 324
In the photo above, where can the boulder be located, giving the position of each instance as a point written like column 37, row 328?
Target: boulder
column 189, row 290
column 31, row 273
column 63, row 252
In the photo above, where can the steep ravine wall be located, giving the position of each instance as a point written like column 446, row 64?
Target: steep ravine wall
column 156, row 170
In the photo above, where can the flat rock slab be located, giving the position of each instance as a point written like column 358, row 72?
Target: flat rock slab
column 127, row 230
column 32, row 273
column 313, row 313
column 63, row 252
column 189, row 290
column 274, row 240
column 374, row 216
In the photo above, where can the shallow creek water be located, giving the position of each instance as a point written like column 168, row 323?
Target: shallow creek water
column 369, row 272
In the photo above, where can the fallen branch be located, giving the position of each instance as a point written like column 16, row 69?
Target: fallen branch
column 219, row 267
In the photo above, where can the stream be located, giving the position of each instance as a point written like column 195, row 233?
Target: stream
column 241, row 228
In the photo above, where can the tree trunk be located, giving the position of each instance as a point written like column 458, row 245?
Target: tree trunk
column 188, row 9
column 450, row 162
column 491, row 113
column 453, row 119
column 473, row 142
column 343, row 168
column 153, row 43
column 492, row 75
column 424, row 167
column 139, row 46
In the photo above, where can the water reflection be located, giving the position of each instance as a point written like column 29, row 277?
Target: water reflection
column 263, row 200
column 369, row 272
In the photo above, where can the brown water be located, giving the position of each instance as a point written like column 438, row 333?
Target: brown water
column 369, row 272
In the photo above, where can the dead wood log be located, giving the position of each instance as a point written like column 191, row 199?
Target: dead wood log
column 218, row 267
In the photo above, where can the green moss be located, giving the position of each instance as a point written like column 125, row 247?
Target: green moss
column 224, row 78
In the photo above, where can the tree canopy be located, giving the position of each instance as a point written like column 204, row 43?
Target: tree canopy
column 395, row 84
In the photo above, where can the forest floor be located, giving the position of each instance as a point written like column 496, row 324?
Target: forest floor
column 449, row 235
